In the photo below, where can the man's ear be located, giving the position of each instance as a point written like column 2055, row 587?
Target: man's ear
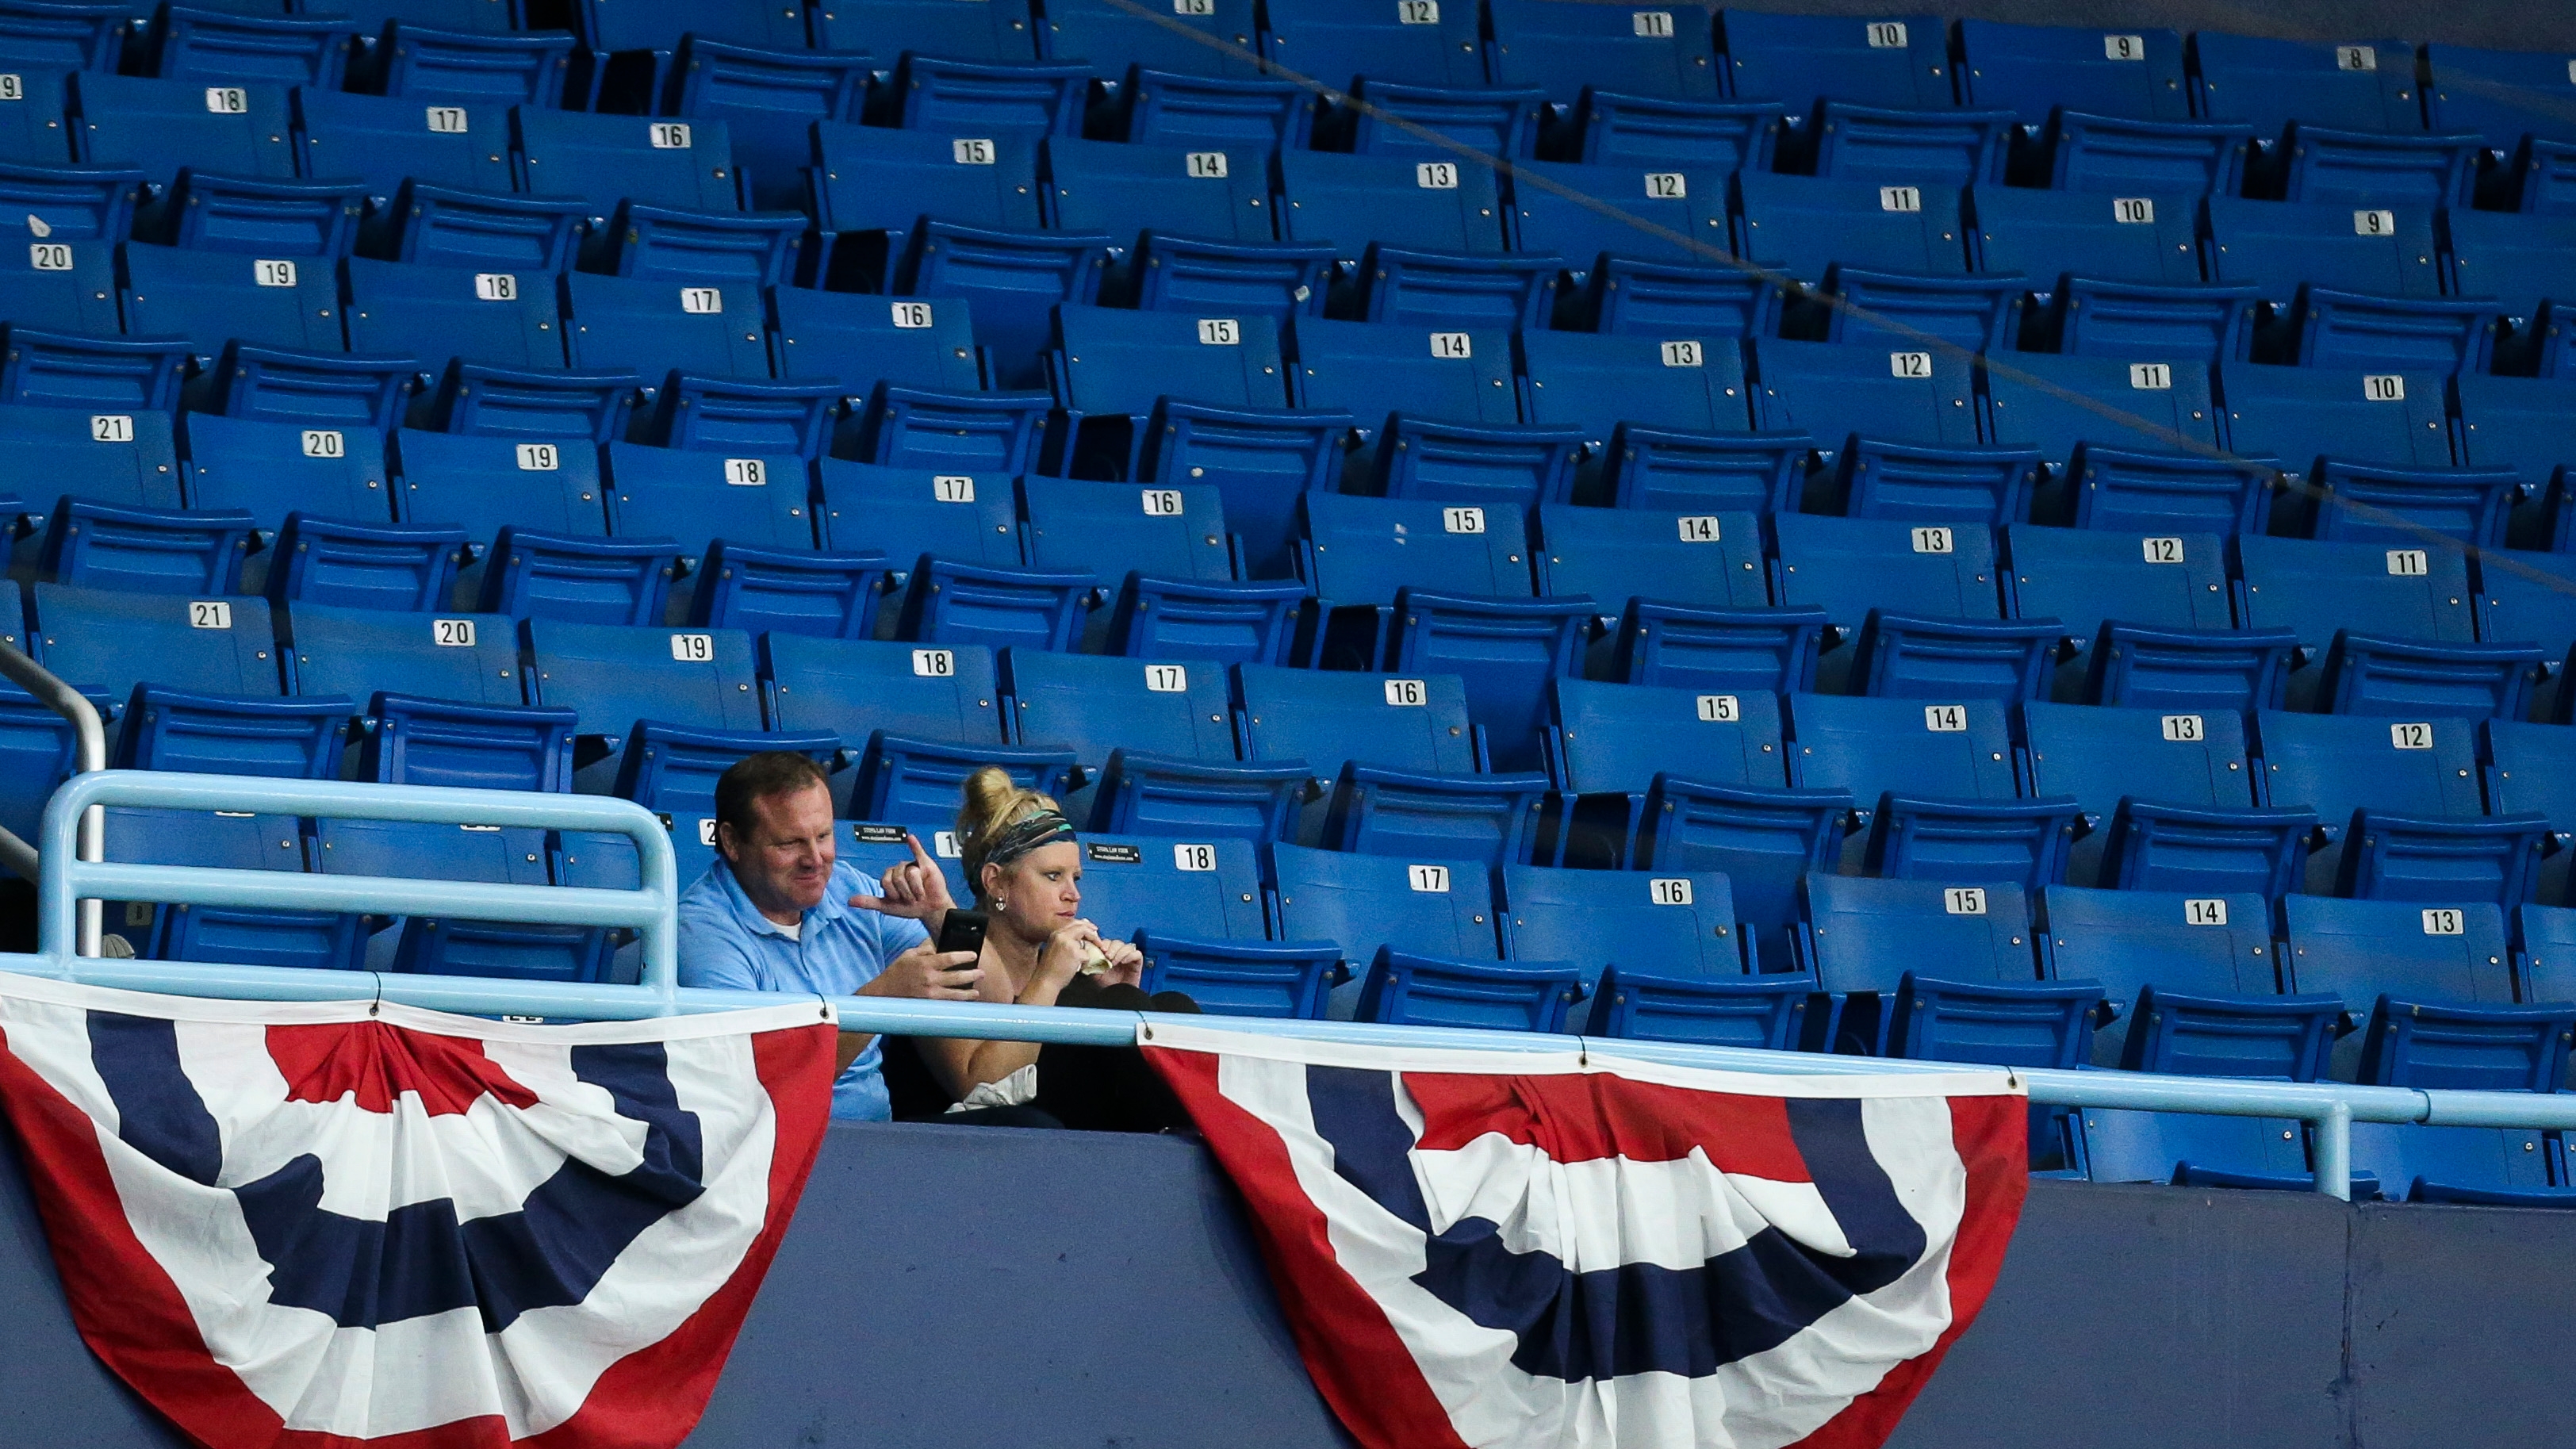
column 725, row 844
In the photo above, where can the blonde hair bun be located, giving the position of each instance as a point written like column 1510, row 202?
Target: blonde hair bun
column 992, row 804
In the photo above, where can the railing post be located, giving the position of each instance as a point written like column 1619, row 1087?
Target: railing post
column 89, row 738
column 2334, row 1151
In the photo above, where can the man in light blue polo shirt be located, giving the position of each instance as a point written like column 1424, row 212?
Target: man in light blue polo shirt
column 779, row 912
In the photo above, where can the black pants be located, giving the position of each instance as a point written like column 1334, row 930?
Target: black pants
column 1086, row 1088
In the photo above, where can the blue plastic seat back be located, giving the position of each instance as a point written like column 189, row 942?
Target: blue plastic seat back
column 2127, row 940
column 2318, row 588
column 127, row 459
column 2532, row 771
column 606, row 159
column 2516, row 607
column 2347, row 86
column 458, row 51
column 2514, row 422
column 1690, row 202
column 1596, row 381
column 1802, row 225
column 390, row 139
column 1435, row 907
column 360, row 653
column 2299, row 414
column 2548, row 936
column 2032, row 70
column 2336, row 764
column 1664, row 925
column 1116, row 361
column 1873, row 746
column 2499, row 95
column 95, row 639
column 1114, row 529
column 698, row 497
column 2360, row 949
column 209, row 44
column 1619, row 737
column 932, row 27
column 483, row 484
column 2083, row 577
column 1362, row 550
column 212, row 297
column 1209, row 193
column 80, row 203
column 64, row 38
column 1895, row 394
column 1328, row 717
column 269, row 469
column 614, row 675
column 907, row 512
column 2100, row 753
column 60, row 286
column 872, row 178
column 1113, row 39
column 1713, row 560
column 859, row 341
column 855, row 687
column 1853, row 565
column 406, row 309
column 1371, row 369
column 2045, row 235
column 1096, row 704
column 2277, row 245
column 1897, row 61
column 1561, row 48
column 1864, row 935
column 1197, row 889
column 2514, row 259
column 1338, row 41
column 497, row 855
column 658, row 24
column 767, row 97
column 655, row 326
column 2169, row 399
column 1396, row 201
column 165, row 125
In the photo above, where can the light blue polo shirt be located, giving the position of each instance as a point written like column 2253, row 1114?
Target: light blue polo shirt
column 726, row 942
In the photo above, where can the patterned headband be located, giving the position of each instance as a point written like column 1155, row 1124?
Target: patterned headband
column 1038, row 828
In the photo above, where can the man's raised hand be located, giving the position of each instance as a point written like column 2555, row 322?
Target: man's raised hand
column 916, row 889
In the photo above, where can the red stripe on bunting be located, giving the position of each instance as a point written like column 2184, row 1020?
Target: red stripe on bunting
column 1992, row 1135
column 1582, row 1117
column 1358, row 1362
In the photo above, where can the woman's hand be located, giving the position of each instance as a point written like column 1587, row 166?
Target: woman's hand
column 1126, row 963
column 1064, row 954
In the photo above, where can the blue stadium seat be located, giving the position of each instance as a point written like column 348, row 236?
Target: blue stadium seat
column 1686, row 593
column 2125, row 588
column 1389, row 118
column 2531, row 598
column 80, row 203
column 1242, row 974
column 445, row 946
column 906, row 513
column 462, row 51
column 1658, row 260
column 1564, row 49
column 2500, row 96
column 1112, row 39
column 2303, row 414
column 405, row 309
column 1193, row 226
column 2519, row 261
column 1175, row 595
column 687, row 166
column 2357, row 87
column 534, row 516
column 315, row 940
column 983, row 98
column 918, row 719
column 946, row 602
column 94, row 482
column 165, row 125
column 2527, row 773
column 1421, row 240
column 2168, row 800
column 2116, row 275
column 767, row 97
column 108, row 642
column 868, row 180
column 2153, row 462
column 389, row 140
column 1013, row 281
column 1935, row 789
column 318, row 498
column 2346, row 286
column 38, row 748
column 63, row 37
column 1850, row 566
column 1448, row 429
column 703, row 353
column 1338, row 41
column 1885, row 145
column 2192, row 988
column 1894, row 250
column 2409, row 792
column 2511, row 423
column 2382, row 594
column 627, row 48
column 1111, row 366
column 212, row 297
column 642, row 689
column 1871, row 942
column 438, row 697
column 2125, row 157
column 1400, row 755
column 1899, row 429
column 214, row 45
column 1172, row 890
column 1796, row 59
column 31, row 130
column 759, row 569
column 2034, row 70
column 1661, row 956
column 1165, row 108
column 932, row 27
column 909, row 373
column 1423, row 927
column 1663, row 421
column 1159, row 739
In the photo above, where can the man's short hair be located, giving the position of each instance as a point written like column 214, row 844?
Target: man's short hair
column 758, row 777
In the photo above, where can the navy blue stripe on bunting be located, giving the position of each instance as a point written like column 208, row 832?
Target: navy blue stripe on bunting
column 1637, row 1317
column 419, row 1260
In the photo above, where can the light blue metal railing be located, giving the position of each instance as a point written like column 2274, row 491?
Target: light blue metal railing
column 2330, row 1107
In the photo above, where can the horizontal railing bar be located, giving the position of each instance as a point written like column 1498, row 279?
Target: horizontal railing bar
column 287, row 890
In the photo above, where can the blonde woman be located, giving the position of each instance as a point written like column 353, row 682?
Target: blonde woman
column 1025, row 869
